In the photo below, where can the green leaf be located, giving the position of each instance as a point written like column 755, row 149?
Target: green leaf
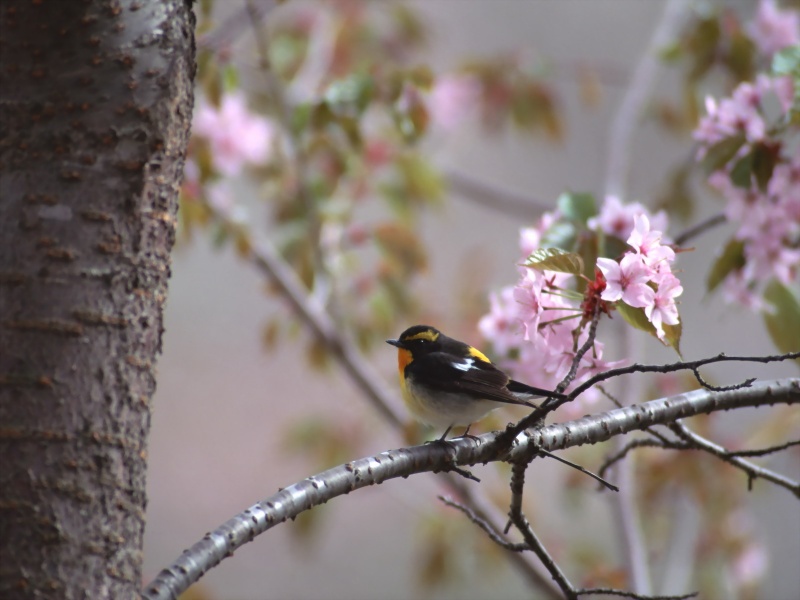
column 672, row 336
column 740, row 58
column 577, row 207
column 588, row 248
column 732, row 258
column 742, row 171
column 560, row 235
column 787, row 62
column 402, row 246
column 636, row 318
column 230, row 78
column 783, row 322
column 722, row 152
column 350, row 96
column 555, row 259
column 671, row 53
column 764, row 160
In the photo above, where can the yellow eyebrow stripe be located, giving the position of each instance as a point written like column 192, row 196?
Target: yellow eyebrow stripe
column 423, row 335
column 478, row 354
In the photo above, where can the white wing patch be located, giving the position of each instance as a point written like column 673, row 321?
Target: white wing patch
column 465, row 365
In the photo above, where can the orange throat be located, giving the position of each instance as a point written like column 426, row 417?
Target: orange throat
column 403, row 359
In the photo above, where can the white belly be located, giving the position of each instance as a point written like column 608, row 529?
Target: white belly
column 445, row 409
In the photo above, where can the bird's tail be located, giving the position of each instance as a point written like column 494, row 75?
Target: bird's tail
column 515, row 387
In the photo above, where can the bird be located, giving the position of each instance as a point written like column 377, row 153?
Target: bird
column 445, row 382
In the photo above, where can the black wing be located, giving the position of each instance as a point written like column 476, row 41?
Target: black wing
column 472, row 376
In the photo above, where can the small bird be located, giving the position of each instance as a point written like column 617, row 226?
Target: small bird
column 446, row 382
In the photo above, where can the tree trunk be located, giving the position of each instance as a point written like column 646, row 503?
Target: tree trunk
column 95, row 106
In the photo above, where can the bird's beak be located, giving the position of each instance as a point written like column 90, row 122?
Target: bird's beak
column 396, row 343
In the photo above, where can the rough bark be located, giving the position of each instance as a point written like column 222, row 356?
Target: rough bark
column 95, row 105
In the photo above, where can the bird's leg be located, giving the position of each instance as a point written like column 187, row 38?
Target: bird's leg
column 467, row 435
column 443, row 439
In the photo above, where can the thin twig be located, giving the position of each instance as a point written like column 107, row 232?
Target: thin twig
column 632, row 445
column 494, row 535
column 752, row 470
column 505, row 439
column 624, row 594
column 700, row 228
column 577, row 467
column 588, row 344
column 764, row 451
column 725, row 388
column 493, row 196
column 516, row 516
column 668, row 368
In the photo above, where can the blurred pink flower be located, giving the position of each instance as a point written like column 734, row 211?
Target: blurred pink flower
column 731, row 116
column 751, row 564
column 528, row 296
column 235, row 135
column 501, row 325
column 617, row 219
column 736, row 289
column 452, row 99
column 774, row 29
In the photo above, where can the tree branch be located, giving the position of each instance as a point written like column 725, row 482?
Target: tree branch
column 341, row 480
column 626, row 119
column 495, row 197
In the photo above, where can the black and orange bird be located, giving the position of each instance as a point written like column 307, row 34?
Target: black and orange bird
column 446, row 382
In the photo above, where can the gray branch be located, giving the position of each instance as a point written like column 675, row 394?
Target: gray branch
column 341, row 480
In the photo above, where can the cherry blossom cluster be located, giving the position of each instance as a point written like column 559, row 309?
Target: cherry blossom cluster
column 534, row 323
column 235, row 138
column 643, row 278
column 235, row 135
column 768, row 226
column 766, row 214
column 774, row 29
column 743, row 113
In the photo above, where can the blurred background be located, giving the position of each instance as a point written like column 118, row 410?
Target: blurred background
column 241, row 412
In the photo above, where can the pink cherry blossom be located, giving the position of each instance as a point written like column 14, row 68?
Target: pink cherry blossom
column 732, row 116
column 736, row 289
column 530, row 239
column 235, row 135
column 452, row 100
column 647, row 243
column 774, row 29
column 751, row 564
column 663, row 310
column 627, row 280
column 501, row 324
column 528, row 295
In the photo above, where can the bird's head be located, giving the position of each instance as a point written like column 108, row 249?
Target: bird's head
column 419, row 340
